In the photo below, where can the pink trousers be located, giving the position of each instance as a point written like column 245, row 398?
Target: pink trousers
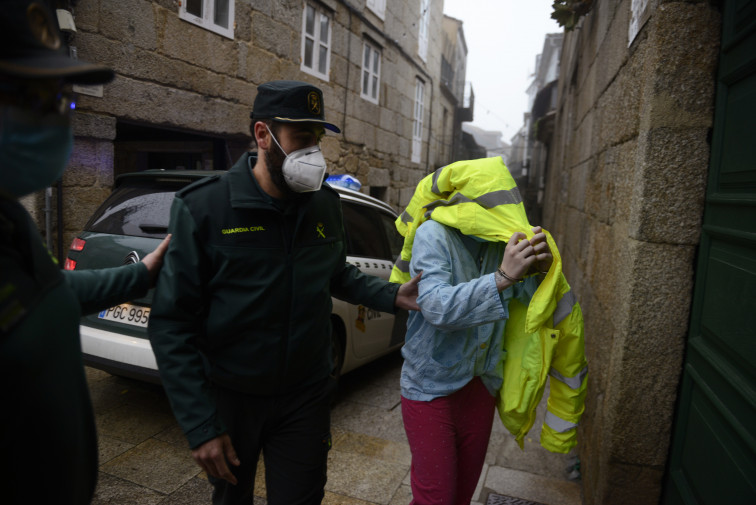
column 448, row 437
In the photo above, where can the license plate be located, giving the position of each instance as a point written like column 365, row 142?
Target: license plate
column 128, row 314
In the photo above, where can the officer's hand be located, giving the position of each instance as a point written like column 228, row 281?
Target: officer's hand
column 406, row 297
column 212, row 456
column 544, row 259
column 518, row 256
column 154, row 260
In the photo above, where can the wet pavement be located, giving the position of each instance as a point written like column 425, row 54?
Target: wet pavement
column 144, row 458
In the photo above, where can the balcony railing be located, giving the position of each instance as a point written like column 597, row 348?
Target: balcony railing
column 468, row 103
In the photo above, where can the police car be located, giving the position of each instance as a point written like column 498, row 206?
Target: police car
column 134, row 219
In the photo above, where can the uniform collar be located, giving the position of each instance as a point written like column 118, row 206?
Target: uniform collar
column 244, row 190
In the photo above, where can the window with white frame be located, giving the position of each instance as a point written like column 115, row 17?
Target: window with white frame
column 422, row 34
column 316, row 41
column 377, row 6
column 371, row 72
column 214, row 15
column 417, row 127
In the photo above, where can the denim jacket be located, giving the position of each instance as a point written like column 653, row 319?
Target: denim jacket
column 458, row 333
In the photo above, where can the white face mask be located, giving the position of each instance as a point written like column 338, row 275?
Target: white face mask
column 303, row 169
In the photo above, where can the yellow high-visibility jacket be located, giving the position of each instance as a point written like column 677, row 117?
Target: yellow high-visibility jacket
column 480, row 198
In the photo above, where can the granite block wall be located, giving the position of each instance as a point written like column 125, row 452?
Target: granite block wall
column 624, row 199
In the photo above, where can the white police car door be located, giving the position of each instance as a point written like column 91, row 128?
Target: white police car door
column 369, row 250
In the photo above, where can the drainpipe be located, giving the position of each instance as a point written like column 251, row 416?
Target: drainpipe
column 430, row 129
column 48, row 218
column 61, row 254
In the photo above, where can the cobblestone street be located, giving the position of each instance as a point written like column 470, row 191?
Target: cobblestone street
column 144, row 458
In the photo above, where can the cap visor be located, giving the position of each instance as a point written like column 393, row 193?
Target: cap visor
column 57, row 66
column 326, row 124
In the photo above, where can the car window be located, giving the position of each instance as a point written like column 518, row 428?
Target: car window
column 141, row 210
column 395, row 240
column 365, row 232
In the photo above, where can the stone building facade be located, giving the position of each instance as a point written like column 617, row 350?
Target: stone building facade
column 624, row 199
column 185, row 83
column 458, row 94
column 542, row 94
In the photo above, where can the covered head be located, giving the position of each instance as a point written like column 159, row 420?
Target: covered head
column 290, row 102
column 36, row 73
column 31, row 46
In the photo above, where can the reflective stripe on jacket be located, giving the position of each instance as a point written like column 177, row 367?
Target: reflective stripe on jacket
column 480, row 198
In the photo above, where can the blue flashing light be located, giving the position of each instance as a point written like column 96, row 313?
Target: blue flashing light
column 344, row 181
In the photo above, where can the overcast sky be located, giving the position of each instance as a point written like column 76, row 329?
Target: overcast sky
column 503, row 38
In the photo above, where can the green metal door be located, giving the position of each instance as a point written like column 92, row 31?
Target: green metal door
column 713, row 456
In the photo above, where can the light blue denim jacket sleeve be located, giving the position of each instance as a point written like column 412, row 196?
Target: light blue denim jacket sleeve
column 458, row 333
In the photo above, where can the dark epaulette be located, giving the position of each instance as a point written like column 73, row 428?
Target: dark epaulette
column 198, row 184
column 329, row 187
column 28, row 271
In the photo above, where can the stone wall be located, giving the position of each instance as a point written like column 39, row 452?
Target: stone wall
column 88, row 178
column 173, row 74
column 624, row 199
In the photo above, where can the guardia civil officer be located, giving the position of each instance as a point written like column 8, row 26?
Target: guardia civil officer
column 48, row 446
column 240, row 323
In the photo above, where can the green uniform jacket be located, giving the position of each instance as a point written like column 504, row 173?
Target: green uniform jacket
column 244, row 297
column 47, row 431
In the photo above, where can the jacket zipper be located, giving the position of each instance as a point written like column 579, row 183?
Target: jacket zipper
column 289, row 247
column 290, row 281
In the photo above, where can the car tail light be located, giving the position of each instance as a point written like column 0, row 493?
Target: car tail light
column 77, row 244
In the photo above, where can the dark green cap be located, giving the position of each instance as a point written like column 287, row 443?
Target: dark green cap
column 290, row 102
column 31, row 46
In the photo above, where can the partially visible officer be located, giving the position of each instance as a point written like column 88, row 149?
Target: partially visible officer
column 241, row 319
column 48, row 445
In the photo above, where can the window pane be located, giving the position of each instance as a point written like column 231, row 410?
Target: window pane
column 375, row 87
column 323, row 59
column 324, row 29
column 363, row 229
column 141, row 210
column 376, row 62
column 395, row 240
column 194, row 7
column 366, row 62
column 310, row 21
column 221, row 13
column 365, row 80
column 308, row 53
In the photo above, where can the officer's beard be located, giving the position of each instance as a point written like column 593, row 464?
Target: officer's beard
column 274, row 160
